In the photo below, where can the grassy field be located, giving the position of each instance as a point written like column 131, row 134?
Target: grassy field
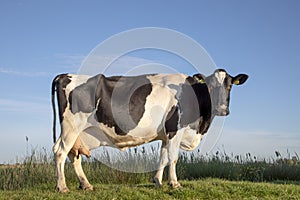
column 197, row 189
column 218, row 176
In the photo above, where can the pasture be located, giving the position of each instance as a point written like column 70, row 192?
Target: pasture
column 198, row 189
column 218, row 176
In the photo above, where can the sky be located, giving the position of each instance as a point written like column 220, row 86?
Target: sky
column 40, row 39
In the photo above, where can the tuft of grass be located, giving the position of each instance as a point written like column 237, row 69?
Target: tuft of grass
column 38, row 168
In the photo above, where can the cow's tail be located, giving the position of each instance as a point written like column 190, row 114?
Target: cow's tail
column 53, row 89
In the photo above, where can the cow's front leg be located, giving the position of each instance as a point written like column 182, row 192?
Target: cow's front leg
column 162, row 164
column 76, row 161
column 172, row 175
column 173, row 151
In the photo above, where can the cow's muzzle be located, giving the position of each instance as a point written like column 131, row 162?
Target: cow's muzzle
column 222, row 110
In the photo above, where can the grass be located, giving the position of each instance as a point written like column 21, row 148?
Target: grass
column 240, row 168
column 198, row 189
column 218, row 176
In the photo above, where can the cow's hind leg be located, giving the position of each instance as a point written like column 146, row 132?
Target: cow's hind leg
column 60, row 158
column 61, row 150
column 76, row 161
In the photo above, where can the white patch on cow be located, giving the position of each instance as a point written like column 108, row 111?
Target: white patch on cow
column 165, row 80
column 156, row 109
column 99, row 134
column 80, row 120
column 94, row 137
column 190, row 139
column 220, row 76
column 76, row 80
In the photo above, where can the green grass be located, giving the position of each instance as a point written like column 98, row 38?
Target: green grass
column 197, row 189
column 219, row 176
column 239, row 168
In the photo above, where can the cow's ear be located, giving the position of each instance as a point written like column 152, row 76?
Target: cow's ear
column 199, row 78
column 240, row 79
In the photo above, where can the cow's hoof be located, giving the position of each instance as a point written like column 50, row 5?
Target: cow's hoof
column 157, row 182
column 86, row 187
column 62, row 189
column 175, row 185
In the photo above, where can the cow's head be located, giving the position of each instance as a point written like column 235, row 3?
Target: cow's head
column 219, row 86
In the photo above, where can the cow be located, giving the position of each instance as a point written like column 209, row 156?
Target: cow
column 127, row 111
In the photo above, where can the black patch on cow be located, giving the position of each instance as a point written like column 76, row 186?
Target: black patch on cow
column 83, row 97
column 61, row 81
column 137, row 102
column 171, row 124
column 195, row 105
column 121, row 101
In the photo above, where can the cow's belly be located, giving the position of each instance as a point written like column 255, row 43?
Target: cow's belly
column 94, row 137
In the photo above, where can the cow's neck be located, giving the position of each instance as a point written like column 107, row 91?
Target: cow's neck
column 213, row 114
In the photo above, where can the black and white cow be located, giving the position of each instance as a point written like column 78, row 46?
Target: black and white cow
column 123, row 112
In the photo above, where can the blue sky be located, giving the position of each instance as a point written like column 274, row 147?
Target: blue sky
column 40, row 39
